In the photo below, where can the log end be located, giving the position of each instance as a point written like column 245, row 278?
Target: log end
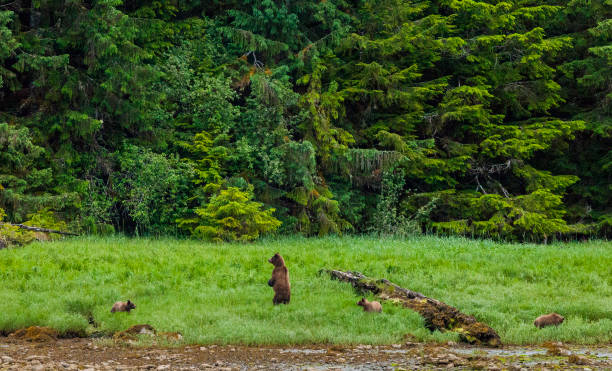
column 478, row 333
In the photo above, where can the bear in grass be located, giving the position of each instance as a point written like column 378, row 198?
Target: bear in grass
column 551, row 319
column 370, row 306
column 280, row 280
column 123, row 306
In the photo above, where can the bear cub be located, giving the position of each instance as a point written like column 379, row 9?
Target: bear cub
column 123, row 306
column 280, row 280
column 551, row 319
column 370, row 306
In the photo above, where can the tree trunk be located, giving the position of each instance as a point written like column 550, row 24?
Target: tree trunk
column 437, row 315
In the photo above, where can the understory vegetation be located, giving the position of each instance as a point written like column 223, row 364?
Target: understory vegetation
column 228, row 120
column 217, row 293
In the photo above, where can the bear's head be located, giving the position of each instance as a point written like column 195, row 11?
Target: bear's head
column 277, row 260
column 362, row 302
column 130, row 305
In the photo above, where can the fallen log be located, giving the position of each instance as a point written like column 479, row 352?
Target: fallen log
column 438, row 315
column 40, row 229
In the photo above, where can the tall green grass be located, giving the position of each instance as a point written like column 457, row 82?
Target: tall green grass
column 218, row 293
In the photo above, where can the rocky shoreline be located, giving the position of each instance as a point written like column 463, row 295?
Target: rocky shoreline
column 112, row 354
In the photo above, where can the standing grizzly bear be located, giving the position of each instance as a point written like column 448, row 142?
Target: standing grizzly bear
column 123, row 306
column 370, row 306
column 551, row 319
column 280, row 280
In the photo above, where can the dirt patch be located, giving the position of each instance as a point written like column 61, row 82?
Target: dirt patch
column 148, row 334
column 36, row 334
column 133, row 332
column 71, row 334
column 171, row 336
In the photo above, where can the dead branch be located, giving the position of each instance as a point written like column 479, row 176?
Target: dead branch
column 493, row 169
column 39, row 229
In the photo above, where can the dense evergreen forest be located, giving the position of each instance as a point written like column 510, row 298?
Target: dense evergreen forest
column 227, row 119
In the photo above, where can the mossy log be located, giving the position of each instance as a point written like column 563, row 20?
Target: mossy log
column 437, row 315
column 40, row 229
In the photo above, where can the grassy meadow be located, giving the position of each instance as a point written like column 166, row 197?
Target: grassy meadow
column 217, row 293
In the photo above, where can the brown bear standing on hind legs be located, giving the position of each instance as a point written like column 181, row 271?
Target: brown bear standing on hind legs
column 280, row 280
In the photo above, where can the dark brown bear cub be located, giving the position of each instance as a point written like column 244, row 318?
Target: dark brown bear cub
column 551, row 319
column 123, row 306
column 280, row 280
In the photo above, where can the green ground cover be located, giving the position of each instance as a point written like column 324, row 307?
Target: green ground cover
column 217, row 293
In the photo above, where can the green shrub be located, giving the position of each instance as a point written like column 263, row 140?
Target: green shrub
column 13, row 235
column 231, row 215
column 153, row 189
column 8, row 233
column 391, row 217
column 537, row 216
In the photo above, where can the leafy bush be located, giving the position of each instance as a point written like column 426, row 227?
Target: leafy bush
column 231, row 215
column 13, row 235
column 8, row 233
column 537, row 216
column 390, row 216
column 152, row 189
column 26, row 183
column 97, row 208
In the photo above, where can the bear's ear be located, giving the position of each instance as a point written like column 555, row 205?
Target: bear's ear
column 129, row 302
